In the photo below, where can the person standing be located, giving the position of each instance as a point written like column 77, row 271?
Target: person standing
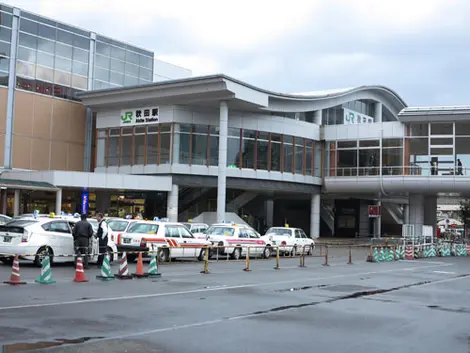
column 459, row 167
column 82, row 232
column 102, row 235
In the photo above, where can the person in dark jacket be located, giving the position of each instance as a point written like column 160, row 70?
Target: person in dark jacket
column 102, row 235
column 82, row 232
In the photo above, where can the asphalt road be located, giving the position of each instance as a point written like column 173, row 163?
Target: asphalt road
column 405, row 306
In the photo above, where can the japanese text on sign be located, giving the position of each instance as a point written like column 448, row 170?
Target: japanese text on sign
column 140, row 116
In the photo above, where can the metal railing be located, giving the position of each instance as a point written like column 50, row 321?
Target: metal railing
column 411, row 170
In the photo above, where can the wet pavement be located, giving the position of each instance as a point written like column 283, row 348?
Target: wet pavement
column 406, row 306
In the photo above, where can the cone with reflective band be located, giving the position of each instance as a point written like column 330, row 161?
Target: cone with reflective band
column 381, row 255
column 375, row 255
column 391, row 255
column 409, row 253
column 468, row 249
column 46, row 273
column 105, row 270
column 79, row 273
column 123, row 269
column 153, row 268
column 15, row 277
column 139, row 270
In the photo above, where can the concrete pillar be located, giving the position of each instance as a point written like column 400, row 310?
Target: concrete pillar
column 10, row 113
column 58, row 202
column 416, row 211
column 176, row 144
column 269, row 211
column 378, row 113
column 315, row 216
column 317, row 117
column 16, row 203
column 222, row 176
column 430, row 212
column 378, row 222
column 406, row 214
column 172, row 204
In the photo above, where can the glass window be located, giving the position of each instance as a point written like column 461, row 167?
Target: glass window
column 28, row 85
column 5, row 19
column 4, row 64
column 132, row 70
column 118, row 53
column 25, row 69
column 65, row 37
column 442, row 129
column 152, row 145
column 113, row 153
column 118, row 225
column 130, row 81
column 4, row 49
column 346, row 162
column 139, row 147
column 276, row 152
column 233, row 148
column 165, row 143
column 184, row 143
column 80, row 68
column 299, row 155
column 46, row 45
column 62, row 78
column 24, row 39
column 44, row 73
column 63, row 64
column 81, row 42
column 80, row 55
column 248, row 148
column 369, row 161
column 214, row 146
column 146, row 62
column 199, row 144
column 101, row 153
column 101, row 74
column 262, row 149
column 45, row 59
column 132, row 57
column 419, row 129
column 369, row 143
column 102, row 61
column 126, row 148
column 288, row 154
column 145, row 74
column 63, row 50
column 3, row 78
column 347, row 144
column 103, row 49
column 143, row 228
column 80, row 82
column 308, row 158
column 392, row 143
column 46, row 31
column 392, row 161
column 28, row 26
column 27, row 54
column 116, row 78
column 117, row 65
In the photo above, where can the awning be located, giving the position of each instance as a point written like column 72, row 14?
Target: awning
column 26, row 185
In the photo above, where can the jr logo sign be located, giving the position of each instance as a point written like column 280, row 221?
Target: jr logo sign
column 140, row 116
column 126, row 118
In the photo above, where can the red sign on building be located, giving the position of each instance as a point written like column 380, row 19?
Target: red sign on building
column 374, row 211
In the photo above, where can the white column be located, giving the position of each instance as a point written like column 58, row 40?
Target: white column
column 317, row 117
column 172, row 204
column 58, row 202
column 269, row 208
column 406, row 214
column 222, row 177
column 315, row 216
column 378, row 113
column 378, row 222
column 416, row 207
column 176, row 144
column 16, row 204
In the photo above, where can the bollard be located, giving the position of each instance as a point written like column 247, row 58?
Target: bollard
column 302, row 257
column 247, row 261
column 277, row 258
column 326, row 256
column 350, row 257
column 206, row 262
column 321, row 250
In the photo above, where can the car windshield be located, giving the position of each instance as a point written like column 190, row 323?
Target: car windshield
column 226, row 231
column 279, row 231
column 147, row 228
column 94, row 223
column 21, row 223
column 187, row 225
column 118, row 226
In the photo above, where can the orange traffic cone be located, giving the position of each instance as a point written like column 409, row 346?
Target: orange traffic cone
column 123, row 269
column 139, row 270
column 79, row 273
column 15, row 278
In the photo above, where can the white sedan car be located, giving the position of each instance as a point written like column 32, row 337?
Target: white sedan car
column 290, row 240
column 32, row 238
column 172, row 240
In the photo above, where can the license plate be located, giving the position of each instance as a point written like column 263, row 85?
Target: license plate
column 126, row 241
column 7, row 239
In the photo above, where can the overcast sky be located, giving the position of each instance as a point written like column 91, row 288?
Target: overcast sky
column 419, row 48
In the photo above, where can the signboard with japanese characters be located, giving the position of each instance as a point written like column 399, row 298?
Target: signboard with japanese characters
column 351, row 117
column 139, row 116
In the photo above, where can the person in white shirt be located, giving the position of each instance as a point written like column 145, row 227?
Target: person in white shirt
column 102, row 235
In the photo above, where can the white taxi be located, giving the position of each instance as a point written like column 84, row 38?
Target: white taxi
column 172, row 240
column 117, row 226
column 33, row 238
column 234, row 240
column 290, row 240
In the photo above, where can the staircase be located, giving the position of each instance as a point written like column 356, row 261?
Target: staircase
column 395, row 212
column 240, row 201
column 327, row 215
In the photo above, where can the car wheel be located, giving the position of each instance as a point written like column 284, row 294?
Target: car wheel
column 7, row 261
column 43, row 252
column 164, row 255
column 237, row 254
column 267, row 252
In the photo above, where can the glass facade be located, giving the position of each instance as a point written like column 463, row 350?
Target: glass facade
column 335, row 115
column 118, row 64
column 199, row 145
column 5, row 43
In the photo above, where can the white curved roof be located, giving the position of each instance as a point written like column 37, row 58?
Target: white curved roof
column 323, row 93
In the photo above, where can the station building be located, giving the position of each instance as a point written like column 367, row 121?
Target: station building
column 208, row 147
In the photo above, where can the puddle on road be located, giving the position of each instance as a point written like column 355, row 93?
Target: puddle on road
column 24, row 347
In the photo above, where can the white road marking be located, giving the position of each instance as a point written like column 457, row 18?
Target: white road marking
column 156, row 295
column 445, row 272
